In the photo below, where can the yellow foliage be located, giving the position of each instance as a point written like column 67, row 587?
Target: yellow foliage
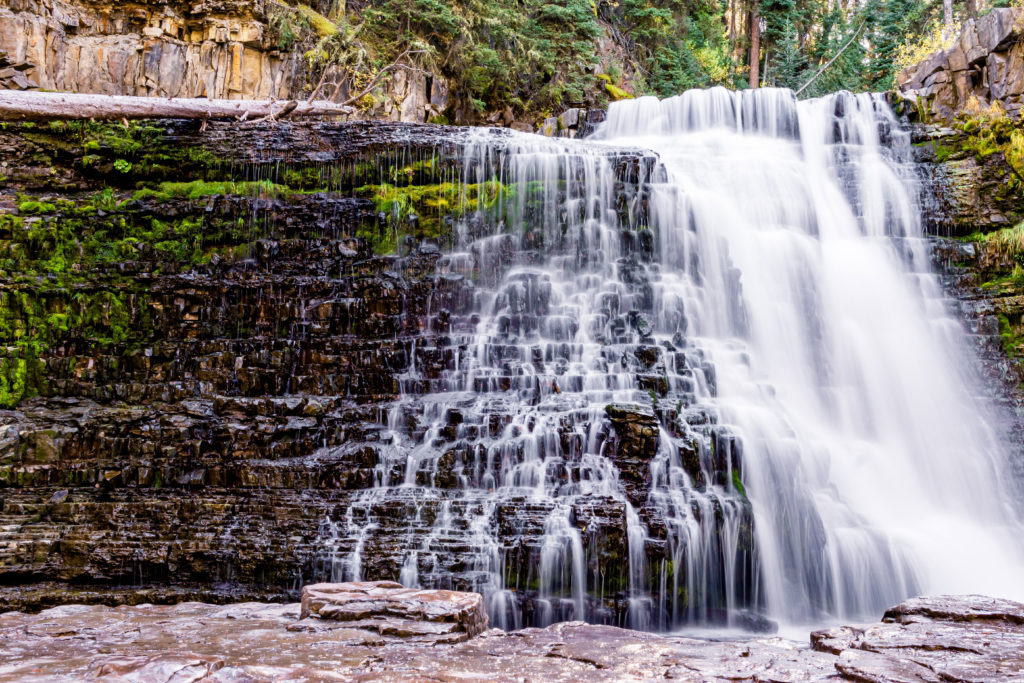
column 917, row 49
column 617, row 93
column 990, row 114
column 714, row 63
column 324, row 27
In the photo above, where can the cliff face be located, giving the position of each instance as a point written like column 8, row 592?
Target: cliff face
column 974, row 205
column 203, row 339
column 215, row 49
column 126, row 312
column 965, row 106
column 219, row 49
column 986, row 63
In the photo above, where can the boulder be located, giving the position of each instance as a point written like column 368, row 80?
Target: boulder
column 390, row 609
column 996, row 29
column 942, row 638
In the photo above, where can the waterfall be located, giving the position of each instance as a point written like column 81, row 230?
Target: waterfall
column 707, row 376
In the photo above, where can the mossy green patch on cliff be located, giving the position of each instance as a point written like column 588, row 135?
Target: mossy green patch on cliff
column 737, row 484
column 197, row 189
column 985, row 131
column 31, row 207
column 1008, row 241
column 61, row 264
column 119, row 153
column 1001, row 257
column 425, row 211
column 1012, row 336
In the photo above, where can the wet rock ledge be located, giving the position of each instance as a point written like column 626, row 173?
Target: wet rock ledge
column 381, row 631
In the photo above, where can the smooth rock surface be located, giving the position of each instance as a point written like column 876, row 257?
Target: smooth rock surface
column 951, row 639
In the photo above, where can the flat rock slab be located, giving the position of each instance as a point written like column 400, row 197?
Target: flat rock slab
column 945, row 639
column 391, row 609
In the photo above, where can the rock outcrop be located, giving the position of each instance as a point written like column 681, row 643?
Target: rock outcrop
column 12, row 74
column 966, row 189
column 950, row 639
column 970, row 201
column 986, row 63
column 390, row 609
column 222, row 49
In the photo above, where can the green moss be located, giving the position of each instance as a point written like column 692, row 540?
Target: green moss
column 197, row 189
column 33, row 207
column 977, row 237
column 324, row 27
column 617, row 93
column 737, row 484
column 1013, row 341
column 304, row 179
column 435, row 206
column 60, row 265
column 121, row 153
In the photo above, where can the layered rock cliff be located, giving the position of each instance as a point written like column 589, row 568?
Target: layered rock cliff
column 235, row 49
column 964, row 103
column 204, row 336
column 219, row 49
column 222, row 49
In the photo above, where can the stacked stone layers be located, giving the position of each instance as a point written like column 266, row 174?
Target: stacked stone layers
column 252, row 413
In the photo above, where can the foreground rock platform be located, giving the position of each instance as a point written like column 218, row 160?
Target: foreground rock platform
column 964, row 638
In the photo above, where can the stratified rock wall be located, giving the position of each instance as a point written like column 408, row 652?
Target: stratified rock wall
column 205, row 334
column 225, row 405
column 216, row 49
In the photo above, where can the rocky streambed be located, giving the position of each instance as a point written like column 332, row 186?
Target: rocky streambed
column 382, row 631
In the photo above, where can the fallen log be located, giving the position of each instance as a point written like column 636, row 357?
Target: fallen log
column 48, row 106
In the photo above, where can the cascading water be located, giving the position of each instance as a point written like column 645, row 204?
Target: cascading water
column 693, row 386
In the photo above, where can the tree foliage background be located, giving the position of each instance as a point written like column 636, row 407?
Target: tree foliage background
column 537, row 57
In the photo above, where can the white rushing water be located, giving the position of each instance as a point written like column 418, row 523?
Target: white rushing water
column 873, row 471
column 760, row 287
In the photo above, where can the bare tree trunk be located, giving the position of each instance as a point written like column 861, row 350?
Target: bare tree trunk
column 731, row 14
column 754, row 58
column 947, row 13
column 28, row 105
column 971, row 7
